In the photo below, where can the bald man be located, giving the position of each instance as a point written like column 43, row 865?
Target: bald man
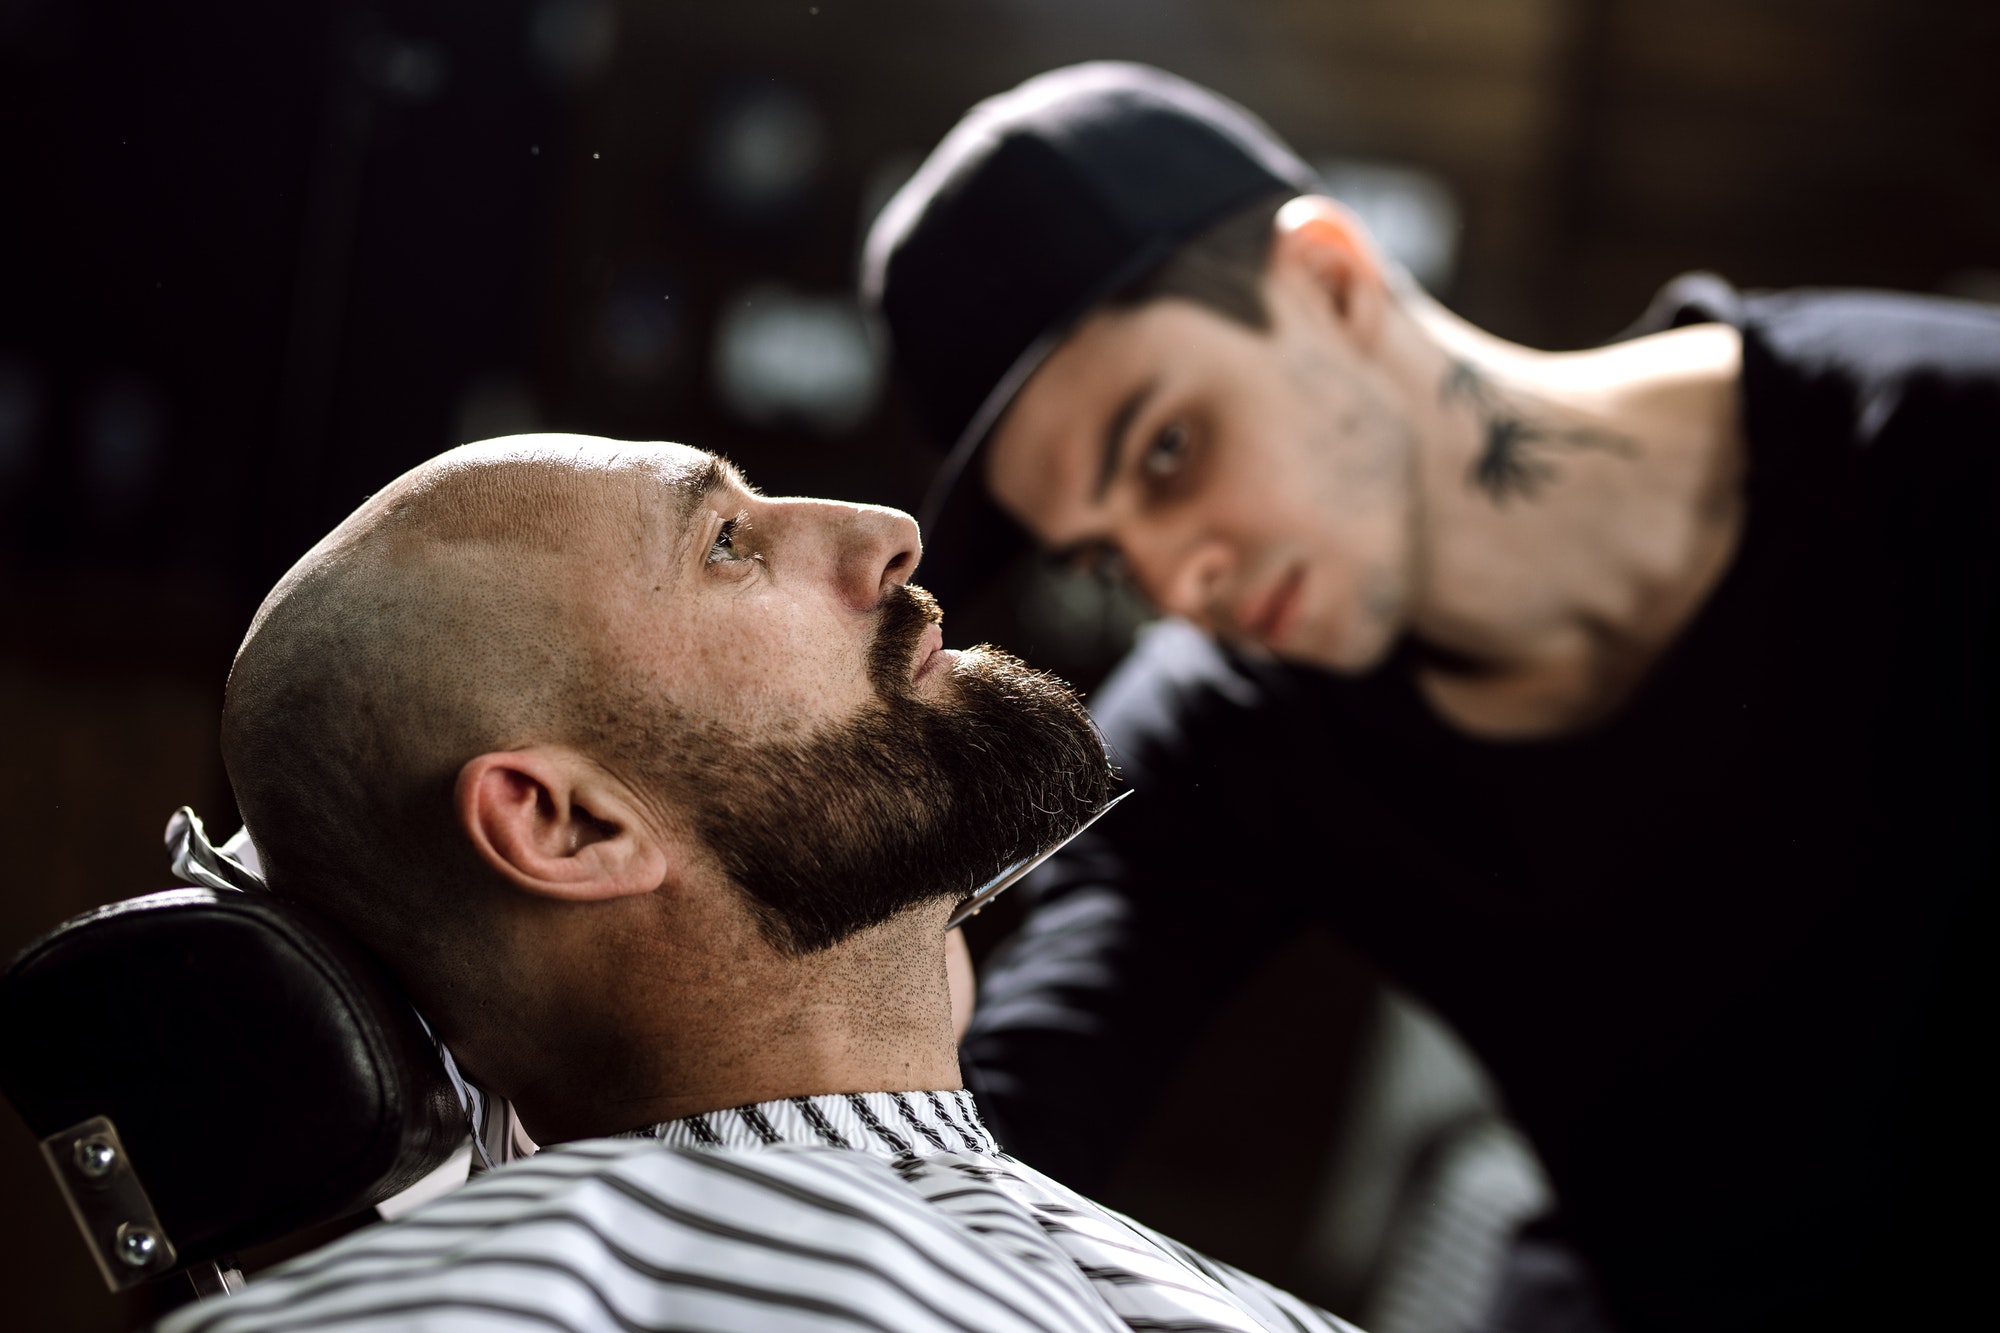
column 657, row 794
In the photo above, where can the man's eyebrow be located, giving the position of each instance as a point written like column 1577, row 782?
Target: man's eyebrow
column 696, row 488
column 1114, row 436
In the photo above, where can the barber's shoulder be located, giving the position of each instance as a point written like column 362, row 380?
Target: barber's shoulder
column 1874, row 336
column 1899, row 393
column 1173, row 665
column 1181, row 705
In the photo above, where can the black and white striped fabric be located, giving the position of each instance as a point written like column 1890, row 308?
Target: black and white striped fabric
column 885, row 1211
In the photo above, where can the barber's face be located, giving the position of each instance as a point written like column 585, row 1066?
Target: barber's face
column 840, row 763
column 1257, row 483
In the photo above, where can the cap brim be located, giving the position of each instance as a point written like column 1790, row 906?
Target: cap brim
column 969, row 541
column 957, row 494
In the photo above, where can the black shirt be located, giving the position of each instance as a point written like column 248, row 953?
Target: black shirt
column 1719, row 951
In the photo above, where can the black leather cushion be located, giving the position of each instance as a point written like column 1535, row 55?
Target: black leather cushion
column 264, row 1074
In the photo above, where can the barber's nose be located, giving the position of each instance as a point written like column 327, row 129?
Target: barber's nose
column 1186, row 578
column 869, row 547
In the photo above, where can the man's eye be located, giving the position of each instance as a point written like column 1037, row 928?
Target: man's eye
column 1168, row 452
column 724, row 547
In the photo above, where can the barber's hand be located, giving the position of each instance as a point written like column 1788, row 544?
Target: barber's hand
column 958, row 967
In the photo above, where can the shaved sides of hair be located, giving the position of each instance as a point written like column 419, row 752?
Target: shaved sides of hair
column 1221, row 268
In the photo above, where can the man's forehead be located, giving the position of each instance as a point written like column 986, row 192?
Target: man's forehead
column 584, row 455
column 679, row 474
column 547, row 492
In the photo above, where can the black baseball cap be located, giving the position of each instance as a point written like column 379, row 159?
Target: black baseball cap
column 1039, row 204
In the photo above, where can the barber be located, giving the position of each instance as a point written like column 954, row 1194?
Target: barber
column 1631, row 706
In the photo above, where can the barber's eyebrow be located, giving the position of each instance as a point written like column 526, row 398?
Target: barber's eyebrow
column 1115, row 431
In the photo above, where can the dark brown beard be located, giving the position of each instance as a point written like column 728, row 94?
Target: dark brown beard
column 909, row 802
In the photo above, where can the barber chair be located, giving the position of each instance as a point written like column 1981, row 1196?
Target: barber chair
column 209, row 1070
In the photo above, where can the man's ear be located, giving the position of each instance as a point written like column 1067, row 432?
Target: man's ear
column 1315, row 237
column 555, row 824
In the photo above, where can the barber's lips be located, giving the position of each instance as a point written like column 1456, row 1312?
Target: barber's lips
column 932, row 655
column 1272, row 619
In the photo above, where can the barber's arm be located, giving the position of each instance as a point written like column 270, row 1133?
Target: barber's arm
column 1145, row 926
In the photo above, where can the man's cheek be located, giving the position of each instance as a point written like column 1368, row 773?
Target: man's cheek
column 790, row 671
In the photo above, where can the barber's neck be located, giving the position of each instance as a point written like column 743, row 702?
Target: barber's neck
column 1575, row 510
column 720, row 1018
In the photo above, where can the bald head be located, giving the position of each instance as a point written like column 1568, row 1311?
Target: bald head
column 463, row 609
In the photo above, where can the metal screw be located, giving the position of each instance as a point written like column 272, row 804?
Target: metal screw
column 137, row 1245
column 95, row 1157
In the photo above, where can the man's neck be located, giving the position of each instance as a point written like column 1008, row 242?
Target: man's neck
column 1576, row 510
column 713, row 1028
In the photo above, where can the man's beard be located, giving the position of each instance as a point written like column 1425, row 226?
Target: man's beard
column 912, row 801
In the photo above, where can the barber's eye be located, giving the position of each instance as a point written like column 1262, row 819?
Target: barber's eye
column 1167, row 453
column 1110, row 568
column 724, row 547
column 1105, row 564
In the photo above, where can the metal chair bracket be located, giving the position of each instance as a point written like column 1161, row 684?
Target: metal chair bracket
column 105, row 1196
column 216, row 1278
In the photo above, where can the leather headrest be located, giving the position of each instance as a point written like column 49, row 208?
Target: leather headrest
column 264, row 1074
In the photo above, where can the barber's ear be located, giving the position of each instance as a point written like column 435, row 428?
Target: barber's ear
column 554, row 823
column 1315, row 237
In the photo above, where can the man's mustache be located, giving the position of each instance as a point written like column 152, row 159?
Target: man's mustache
column 902, row 616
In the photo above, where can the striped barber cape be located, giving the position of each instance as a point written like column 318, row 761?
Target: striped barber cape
column 885, row 1211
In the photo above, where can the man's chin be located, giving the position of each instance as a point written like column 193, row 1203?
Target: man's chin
column 916, row 802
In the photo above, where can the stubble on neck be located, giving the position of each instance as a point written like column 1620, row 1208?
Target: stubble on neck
column 728, row 1020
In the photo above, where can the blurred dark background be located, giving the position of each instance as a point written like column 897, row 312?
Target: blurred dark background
column 257, row 259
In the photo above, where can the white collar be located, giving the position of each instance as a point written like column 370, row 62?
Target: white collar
column 885, row 1124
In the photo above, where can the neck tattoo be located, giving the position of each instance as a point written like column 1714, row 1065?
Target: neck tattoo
column 1509, row 464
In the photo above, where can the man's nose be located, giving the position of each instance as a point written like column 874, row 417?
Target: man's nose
column 869, row 547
